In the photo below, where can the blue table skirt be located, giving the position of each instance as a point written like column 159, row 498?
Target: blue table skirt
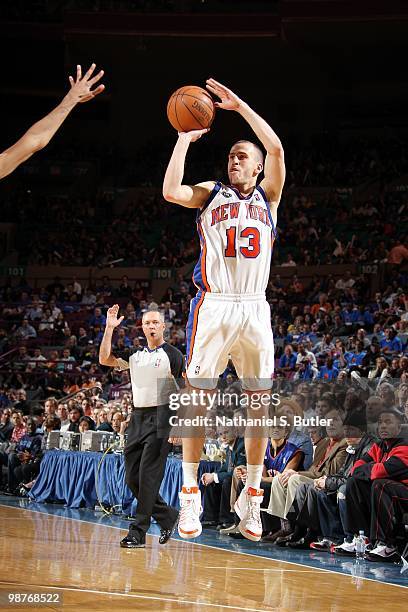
column 70, row 477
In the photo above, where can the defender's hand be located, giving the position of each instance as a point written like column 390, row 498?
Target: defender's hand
column 81, row 87
column 229, row 100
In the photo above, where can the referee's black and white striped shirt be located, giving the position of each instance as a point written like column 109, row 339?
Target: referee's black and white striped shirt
column 154, row 374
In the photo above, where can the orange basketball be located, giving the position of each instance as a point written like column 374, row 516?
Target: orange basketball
column 190, row 108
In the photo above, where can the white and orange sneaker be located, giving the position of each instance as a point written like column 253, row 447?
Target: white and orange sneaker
column 248, row 508
column 189, row 525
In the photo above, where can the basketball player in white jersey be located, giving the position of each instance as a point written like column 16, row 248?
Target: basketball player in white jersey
column 40, row 134
column 230, row 315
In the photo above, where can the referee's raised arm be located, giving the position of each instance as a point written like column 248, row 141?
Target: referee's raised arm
column 105, row 351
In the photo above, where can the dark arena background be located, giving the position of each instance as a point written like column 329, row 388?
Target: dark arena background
column 84, row 225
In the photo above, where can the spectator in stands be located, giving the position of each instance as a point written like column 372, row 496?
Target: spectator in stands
column 75, row 413
column 66, row 359
column 117, row 420
column 377, row 491
column 19, row 426
column 398, row 253
column 22, row 405
column 86, row 424
column 322, row 305
column 217, row 492
column 290, row 262
column 83, row 338
column 374, row 406
column 325, row 506
column 287, row 362
column 97, row 319
column 305, row 355
column 50, row 406
column 89, row 298
column 102, row 423
column 62, row 414
column 390, row 344
column 6, row 425
column 328, row 461
column 26, row 331
column 27, row 449
column 328, row 371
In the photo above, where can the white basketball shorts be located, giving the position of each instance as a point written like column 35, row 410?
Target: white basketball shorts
column 229, row 326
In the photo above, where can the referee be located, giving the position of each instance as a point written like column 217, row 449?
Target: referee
column 153, row 374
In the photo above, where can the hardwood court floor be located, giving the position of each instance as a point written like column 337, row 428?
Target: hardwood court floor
column 83, row 562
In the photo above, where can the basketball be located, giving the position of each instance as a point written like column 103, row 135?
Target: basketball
column 190, row 108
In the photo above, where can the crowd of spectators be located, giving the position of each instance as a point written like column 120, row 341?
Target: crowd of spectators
column 341, row 353
column 321, row 219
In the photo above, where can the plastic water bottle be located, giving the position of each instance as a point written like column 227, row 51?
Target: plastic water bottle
column 360, row 545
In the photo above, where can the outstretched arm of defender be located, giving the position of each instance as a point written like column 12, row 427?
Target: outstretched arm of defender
column 39, row 134
column 190, row 196
column 274, row 167
column 105, row 350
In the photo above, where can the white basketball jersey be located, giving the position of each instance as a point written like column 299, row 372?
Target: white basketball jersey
column 236, row 237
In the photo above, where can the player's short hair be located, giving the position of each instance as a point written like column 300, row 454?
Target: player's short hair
column 259, row 152
column 161, row 315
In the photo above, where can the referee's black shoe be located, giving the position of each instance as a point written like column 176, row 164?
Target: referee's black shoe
column 132, row 541
column 165, row 534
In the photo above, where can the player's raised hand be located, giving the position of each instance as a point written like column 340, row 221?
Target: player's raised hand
column 81, row 87
column 229, row 100
column 112, row 319
column 193, row 135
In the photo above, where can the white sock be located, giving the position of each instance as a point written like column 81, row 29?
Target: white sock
column 189, row 474
column 254, row 475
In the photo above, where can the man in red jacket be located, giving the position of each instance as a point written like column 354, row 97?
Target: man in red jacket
column 377, row 490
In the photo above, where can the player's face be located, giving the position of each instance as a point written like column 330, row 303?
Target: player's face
column 243, row 164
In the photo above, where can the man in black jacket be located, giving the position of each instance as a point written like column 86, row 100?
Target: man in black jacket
column 217, row 494
column 377, row 491
column 6, row 426
column 331, row 498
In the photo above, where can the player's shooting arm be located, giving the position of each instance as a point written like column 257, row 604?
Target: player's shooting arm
column 190, row 196
column 105, row 350
column 39, row 134
column 274, row 167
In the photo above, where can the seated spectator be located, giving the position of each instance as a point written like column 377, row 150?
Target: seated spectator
column 22, row 405
column 328, row 372
column 390, row 344
column 306, row 370
column 26, row 331
column 380, row 369
column 374, row 406
column 97, row 319
column 329, row 460
column 86, row 424
column 102, row 423
column 27, row 449
column 377, row 492
column 117, row 420
column 325, row 505
column 62, row 414
column 217, row 492
column 6, row 425
column 289, row 408
column 50, row 406
column 19, row 427
column 287, row 361
column 75, row 413
column 83, row 338
column 321, row 305
column 305, row 355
